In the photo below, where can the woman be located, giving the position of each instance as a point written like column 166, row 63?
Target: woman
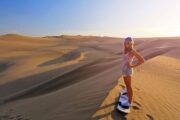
column 128, row 64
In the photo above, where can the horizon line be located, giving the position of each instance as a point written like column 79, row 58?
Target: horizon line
column 27, row 35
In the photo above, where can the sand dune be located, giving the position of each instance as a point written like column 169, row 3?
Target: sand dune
column 156, row 94
column 78, row 77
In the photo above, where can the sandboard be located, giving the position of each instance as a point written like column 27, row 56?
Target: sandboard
column 123, row 103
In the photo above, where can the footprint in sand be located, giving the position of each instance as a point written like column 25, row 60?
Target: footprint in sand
column 136, row 105
column 122, row 86
column 137, row 88
column 150, row 117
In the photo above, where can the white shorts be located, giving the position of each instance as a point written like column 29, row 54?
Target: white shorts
column 127, row 72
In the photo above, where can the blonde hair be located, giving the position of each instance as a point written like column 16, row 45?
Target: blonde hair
column 130, row 41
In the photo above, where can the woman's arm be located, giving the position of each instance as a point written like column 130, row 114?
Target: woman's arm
column 139, row 57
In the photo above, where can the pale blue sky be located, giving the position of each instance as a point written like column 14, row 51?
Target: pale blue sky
column 119, row 18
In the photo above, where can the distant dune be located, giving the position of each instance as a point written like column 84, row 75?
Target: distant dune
column 78, row 78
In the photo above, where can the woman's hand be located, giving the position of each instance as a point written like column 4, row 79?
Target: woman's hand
column 129, row 65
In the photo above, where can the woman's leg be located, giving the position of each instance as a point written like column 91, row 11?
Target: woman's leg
column 127, row 81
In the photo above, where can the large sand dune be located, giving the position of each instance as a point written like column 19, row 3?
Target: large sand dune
column 78, row 78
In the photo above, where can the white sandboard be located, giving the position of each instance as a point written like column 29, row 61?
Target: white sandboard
column 123, row 102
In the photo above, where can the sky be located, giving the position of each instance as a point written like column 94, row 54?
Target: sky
column 116, row 18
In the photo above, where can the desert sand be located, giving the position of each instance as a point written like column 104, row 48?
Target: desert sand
column 78, row 78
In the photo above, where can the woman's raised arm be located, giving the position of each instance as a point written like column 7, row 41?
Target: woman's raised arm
column 139, row 57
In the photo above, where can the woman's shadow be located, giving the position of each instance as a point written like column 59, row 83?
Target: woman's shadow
column 115, row 114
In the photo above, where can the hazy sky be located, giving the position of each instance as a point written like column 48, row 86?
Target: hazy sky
column 120, row 18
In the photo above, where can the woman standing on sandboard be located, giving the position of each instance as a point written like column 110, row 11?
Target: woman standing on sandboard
column 127, row 66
